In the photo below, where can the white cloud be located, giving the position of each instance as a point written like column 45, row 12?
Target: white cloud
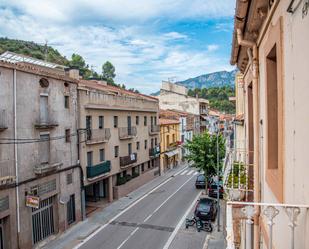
column 212, row 47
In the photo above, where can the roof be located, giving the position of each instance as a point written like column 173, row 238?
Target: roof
column 102, row 86
column 165, row 121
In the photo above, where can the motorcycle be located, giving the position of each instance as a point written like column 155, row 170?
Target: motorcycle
column 200, row 224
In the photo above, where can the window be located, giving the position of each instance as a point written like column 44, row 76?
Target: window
column 88, row 126
column 156, row 141
column 137, row 120
column 143, row 168
column 137, row 145
column 71, row 210
column 152, row 141
column 102, row 155
column 115, row 121
column 155, row 120
column 149, row 166
column 69, row 178
column 101, row 122
column 145, row 120
column 66, row 102
column 44, row 148
column 89, row 158
column 146, row 144
column 116, row 148
column 174, row 139
column 130, row 148
column 183, row 139
column 44, row 83
column 67, row 135
column 44, row 109
column 168, row 140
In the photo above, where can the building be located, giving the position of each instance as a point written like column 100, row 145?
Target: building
column 39, row 170
column 175, row 97
column 186, row 127
column 120, row 148
column 270, row 49
column 169, row 141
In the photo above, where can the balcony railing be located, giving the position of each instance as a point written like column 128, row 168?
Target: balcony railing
column 276, row 220
column 7, row 175
column 154, row 129
column 48, row 123
column 154, row 152
column 3, row 120
column 44, row 168
column 127, row 132
column 98, row 136
column 98, row 169
column 172, row 146
column 127, row 160
column 238, row 175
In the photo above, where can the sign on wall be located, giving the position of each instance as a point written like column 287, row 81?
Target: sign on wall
column 32, row 201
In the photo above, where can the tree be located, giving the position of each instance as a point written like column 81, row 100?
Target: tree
column 203, row 153
column 108, row 71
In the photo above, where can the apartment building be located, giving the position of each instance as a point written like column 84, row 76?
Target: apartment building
column 270, row 48
column 120, row 148
column 169, row 143
column 175, row 97
column 39, row 172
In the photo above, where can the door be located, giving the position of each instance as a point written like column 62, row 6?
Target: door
column 1, row 236
column 43, row 220
column 43, row 109
column 129, row 126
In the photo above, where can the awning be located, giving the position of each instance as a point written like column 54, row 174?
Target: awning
column 171, row 153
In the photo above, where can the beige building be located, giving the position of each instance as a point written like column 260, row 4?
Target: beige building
column 120, row 147
column 175, row 97
column 39, row 171
column 270, row 47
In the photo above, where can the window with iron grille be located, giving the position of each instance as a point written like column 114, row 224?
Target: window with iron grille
column 71, row 210
column 116, row 151
column 101, row 122
column 67, row 135
column 47, row 187
column 4, row 203
column 89, row 158
column 69, row 178
column 130, row 148
column 66, row 102
column 115, row 121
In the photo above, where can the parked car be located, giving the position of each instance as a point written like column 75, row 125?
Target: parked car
column 200, row 181
column 206, row 210
column 213, row 190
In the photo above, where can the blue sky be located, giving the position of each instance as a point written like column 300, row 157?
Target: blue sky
column 147, row 40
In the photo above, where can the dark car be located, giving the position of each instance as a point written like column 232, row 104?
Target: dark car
column 200, row 181
column 206, row 209
column 213, row 191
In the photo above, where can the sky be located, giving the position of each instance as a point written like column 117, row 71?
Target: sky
column 147, row 40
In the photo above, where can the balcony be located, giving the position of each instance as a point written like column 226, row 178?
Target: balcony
column 238, row 175
column 154, row 129
column 154, row 152
column 172, row 146
column 7, row 175
column 127, row 160
column 127, row 132
column 45, row 123
column 3, row 120
column 282, row 224
column 97, row 136
column 98, row 169
column 44, row 168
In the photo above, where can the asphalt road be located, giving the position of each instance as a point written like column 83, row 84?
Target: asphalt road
column 154, row 221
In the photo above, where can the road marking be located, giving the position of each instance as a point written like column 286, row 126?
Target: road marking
column 190, row 172
column 173, row 235
column 149, row 216
column 131, row 234
column 184, row 172
column 195, row 173
column 126, row 209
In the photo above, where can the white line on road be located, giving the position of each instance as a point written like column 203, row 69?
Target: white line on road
column 173, row 235
column 184, row 172
column 149, row 216
column 195, row 173
column 131, row 234
column 125, row 210
column 190, row 172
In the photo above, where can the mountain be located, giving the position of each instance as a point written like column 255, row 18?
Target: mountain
column 216, row 79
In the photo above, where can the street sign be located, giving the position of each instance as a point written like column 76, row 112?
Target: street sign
column 32, row 201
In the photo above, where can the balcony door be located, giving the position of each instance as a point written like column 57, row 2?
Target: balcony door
column 129, row 125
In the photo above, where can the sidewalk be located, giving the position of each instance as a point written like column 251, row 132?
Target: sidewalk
column 83, row 229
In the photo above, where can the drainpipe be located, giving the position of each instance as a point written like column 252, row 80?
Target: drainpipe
column 16, row 156
column 253, row 56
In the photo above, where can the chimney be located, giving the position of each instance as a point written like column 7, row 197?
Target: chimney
column 72, row 73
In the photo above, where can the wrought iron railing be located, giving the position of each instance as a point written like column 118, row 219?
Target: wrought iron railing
column 154, row 129
column 127, row 160
column 98, row 169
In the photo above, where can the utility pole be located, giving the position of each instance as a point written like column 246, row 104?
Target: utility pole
column 218, row 175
